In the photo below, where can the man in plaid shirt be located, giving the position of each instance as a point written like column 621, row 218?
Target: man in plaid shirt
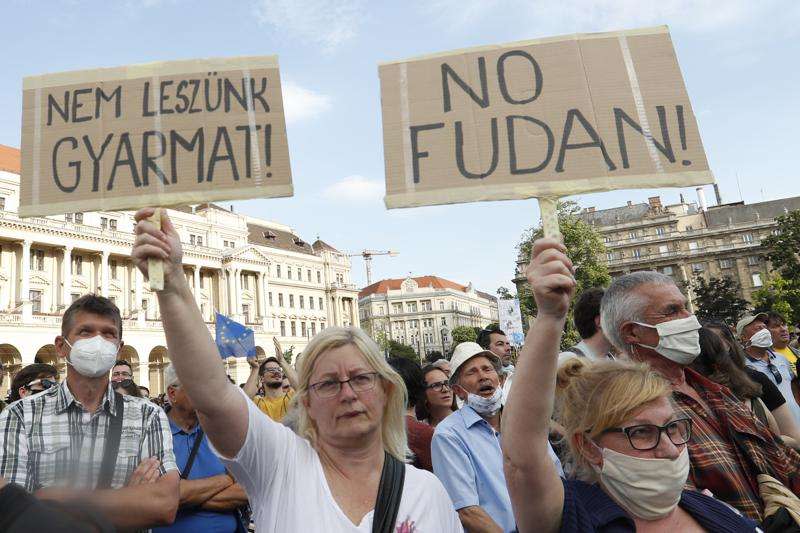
column 52, row 443
column 644, row 314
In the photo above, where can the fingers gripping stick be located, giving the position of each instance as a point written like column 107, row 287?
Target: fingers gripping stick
column 547, row 208
column 155, row 268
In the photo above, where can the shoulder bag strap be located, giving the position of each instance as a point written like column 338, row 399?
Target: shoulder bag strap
column 112, row 445
column 190, row 461
column 390, row 492
column 577, row 351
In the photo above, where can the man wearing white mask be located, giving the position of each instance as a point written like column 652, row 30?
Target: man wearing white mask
column 644, row 315
column 82, row 442
column 757, row 341
column 465, row 449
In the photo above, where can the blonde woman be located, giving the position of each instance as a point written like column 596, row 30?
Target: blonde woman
column 623, row 433
column 350, row 424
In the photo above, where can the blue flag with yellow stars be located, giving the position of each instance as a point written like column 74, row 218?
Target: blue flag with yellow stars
column 234, row 339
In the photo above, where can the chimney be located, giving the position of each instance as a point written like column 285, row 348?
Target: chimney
column 630, row 203
column 701, row 199
column 655, row 202
column 717, row 194
column 231, row 208
column 683, row 201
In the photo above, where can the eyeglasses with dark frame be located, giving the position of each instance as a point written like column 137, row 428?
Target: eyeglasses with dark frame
column 645, row 437
column 45, row 383
column 273, row 372
column 330, row 388
column 438, row 386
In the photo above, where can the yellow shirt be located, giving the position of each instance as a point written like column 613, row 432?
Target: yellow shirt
column 275, row 408
column 790, row 356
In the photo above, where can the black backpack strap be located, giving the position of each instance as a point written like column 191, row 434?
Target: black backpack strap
column 190, row 461
column 577, row 351
column 390, row 492
column 112, row 445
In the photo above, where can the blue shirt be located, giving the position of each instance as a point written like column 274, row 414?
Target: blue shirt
column 206, row 464
column 467, row 459
column 782, row 366
column 587, row 508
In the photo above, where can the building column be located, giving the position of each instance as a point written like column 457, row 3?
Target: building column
column 355, row 321
column 24, row 284
column 140, row 316
column 337, row 312
column 66, row 277
column 267, row 311
column 104, row 274
column 224, row 304
column 237, row 292
column 260, row 296
column 197, row 286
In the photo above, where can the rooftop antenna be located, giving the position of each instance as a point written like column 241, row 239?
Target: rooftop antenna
column 739, row 185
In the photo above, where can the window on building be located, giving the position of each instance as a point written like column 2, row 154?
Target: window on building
column 68, row 217
column 303, row 329
column 112, row 223
column 609, row 256
column 280, row 299
column 444, row 321
column 606, row 239
column 411, row 307
column 302, row 302
column 776, row 231
column 112, row 266
column 320, row 304
column 311, row 302
column 79, row 218
column 294, row 328
column 426, row 305
column 291, row 301
column 288, row 272
column 269, row 297
column 104, row 223
column 145, row 305
column 202, row 281
column 37, row 260
column 667, row 270
column 199, row 240
column 637, row 253
column 191, row 240
column 747, row 237
column 397, row 308
column 660, row 231
column 36, row 301
column 756, row 279
column 283, row 328
column 308, row 275
column 277, row 271
column 245, row 282
column 77, row 265
column 689, row 228
column 2, row 203
column 313, row 328
column 725, row 263
column 753, row 260
column 698, row 267
column 380, row 309
column 319, row 276
column 633, row 235
column 246, row 312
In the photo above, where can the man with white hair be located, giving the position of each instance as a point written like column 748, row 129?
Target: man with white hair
column 644, row 315
column 209, row 496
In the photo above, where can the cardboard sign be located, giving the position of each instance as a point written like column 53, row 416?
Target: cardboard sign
column 544, row 118
column 153, row 135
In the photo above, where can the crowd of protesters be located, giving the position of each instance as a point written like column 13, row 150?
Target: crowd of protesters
column 652, row 422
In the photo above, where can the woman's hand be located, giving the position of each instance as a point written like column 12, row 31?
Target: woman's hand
column 162, row 244
column 550, row 275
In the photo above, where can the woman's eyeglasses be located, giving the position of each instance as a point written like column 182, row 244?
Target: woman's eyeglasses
column 331, row 387
column 645, row 437
column 438, row 386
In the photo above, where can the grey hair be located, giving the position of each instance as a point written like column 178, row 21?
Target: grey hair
column 623, row 303
column 170, row 377
column 439, row 363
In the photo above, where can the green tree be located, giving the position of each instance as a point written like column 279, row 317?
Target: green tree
column 505, row 294
column 586, row 250
column 288, row 355
column 779, row 295
column 433, row 356
column 397, row 349
column 382, row 340
column 463, row 334
column 718, row 299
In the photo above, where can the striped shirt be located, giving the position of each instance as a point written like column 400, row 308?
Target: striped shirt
column 49, row 439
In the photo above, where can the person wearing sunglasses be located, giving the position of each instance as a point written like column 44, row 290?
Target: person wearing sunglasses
column 439, row 401
column 270, row 374
column 344, row 469
column 625, row 437
column 757, row 341
column 32, row 379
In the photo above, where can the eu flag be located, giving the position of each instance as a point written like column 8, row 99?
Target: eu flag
column 234, row 339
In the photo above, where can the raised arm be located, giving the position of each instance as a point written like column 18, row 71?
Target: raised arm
column 288, row 371
column 537, row 494
column 221, row 408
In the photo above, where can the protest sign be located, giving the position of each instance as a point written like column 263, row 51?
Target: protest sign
column 511, row 320
column 544, row 118
column 155, row 134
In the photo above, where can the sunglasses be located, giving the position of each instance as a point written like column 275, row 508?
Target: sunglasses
column 45, row 384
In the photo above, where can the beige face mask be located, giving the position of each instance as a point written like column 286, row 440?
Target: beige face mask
column 646, row 488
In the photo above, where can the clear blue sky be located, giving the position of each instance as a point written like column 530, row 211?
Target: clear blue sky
column 739, row 61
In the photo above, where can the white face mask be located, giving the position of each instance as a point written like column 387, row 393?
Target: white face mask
column 646, row 488
column 761, row 339
column 678, row 340
column 486, row 406
column 92, row 357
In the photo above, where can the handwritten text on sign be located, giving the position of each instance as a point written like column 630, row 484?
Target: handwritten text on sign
column 554, row 117
column 154, row 135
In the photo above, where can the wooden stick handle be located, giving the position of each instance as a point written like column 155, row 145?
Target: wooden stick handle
column 547, row 208
column 155, row 267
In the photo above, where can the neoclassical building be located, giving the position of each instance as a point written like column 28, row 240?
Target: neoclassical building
column 255, row 271
column 423, row 311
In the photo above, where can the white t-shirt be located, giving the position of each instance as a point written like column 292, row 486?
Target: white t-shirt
column 287, row 489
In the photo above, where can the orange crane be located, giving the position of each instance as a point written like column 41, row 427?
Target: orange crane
column 368, row 255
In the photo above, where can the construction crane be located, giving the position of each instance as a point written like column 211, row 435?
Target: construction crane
column 368, row 255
